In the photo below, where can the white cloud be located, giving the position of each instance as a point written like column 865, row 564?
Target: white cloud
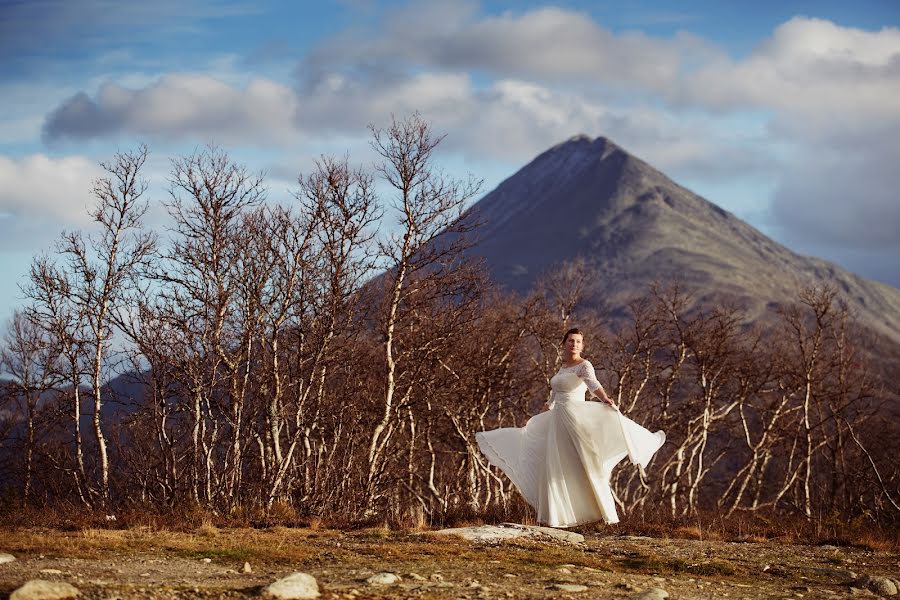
column 545, row 44
column 39, row 187
column 818, row 72
column 180, row 107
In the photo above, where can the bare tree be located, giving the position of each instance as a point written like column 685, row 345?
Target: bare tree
column 426, row 245
column 79, row 304
column 29, row 356
column 209, row 195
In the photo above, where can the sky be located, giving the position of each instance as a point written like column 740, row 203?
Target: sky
column 785, row 113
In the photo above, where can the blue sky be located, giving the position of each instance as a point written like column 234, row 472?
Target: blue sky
column 785, row 113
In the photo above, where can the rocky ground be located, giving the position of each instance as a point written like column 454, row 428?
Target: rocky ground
column 377, row 563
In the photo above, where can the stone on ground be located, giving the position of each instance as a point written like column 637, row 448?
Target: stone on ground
column 383, row 579
column 508, row 531
column 5, row 558
column 295, row 585
column 570, row 587
column 40, row 589
column 880, row 585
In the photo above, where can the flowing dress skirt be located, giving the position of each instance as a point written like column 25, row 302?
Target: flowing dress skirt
column 562, row 459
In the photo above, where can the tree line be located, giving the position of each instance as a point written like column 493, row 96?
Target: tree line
column 273, row 369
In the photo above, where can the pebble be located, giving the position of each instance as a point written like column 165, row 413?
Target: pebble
column 247, row 568
column 564, row 571
column 5, row 558
column 439, row 577
column 206, row 560
column 295, row 585
column 50, row 572
column 39, row 589
column 417, row 577
column 383, row 579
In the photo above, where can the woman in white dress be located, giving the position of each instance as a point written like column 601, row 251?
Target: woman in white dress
column 562, row 459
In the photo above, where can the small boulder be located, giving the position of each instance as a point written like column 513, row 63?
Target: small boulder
column 40, row 589
column 295, row 585
column 880, row 585
column 508, row 531
column 247, row 568
column 383, row 579
column 5, row 558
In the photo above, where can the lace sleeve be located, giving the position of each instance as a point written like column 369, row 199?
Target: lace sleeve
column 586, row 372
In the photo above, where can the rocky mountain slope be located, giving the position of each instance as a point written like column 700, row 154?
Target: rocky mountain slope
column 590, row 198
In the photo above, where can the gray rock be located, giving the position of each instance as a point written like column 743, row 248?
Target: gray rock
column 5, row 558
column 880, row 585
column 570, row 587
column 509, row 531
column 383, row 579
column 295, row 585
column 40, row 589
column 652, row 594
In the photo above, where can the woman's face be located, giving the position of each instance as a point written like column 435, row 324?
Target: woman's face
column 574, row 343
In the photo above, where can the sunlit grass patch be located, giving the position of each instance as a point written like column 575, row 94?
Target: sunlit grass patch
column 694, row 532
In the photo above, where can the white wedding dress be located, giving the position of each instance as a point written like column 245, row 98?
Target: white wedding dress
column 562, row 459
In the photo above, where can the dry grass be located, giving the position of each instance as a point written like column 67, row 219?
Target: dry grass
column 754, row 528
column 694, row 532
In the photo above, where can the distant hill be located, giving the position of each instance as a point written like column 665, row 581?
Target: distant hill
column 590, row 198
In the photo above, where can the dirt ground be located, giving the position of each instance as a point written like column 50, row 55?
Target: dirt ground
column 210, row 563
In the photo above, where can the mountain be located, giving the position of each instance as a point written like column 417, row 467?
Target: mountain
column 590, row 198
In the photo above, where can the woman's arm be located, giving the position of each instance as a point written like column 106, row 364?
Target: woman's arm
column 586, row 373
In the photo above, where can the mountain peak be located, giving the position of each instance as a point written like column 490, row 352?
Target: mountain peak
column 588, row 197
column 583, row 144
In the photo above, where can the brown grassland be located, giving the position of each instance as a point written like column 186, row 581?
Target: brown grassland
column 204, row 556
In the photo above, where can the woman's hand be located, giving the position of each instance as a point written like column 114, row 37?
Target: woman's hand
column 607, row 400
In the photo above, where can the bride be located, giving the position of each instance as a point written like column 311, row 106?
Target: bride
column 562, row 459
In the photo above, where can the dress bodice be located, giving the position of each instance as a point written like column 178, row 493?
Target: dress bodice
column 570, row 383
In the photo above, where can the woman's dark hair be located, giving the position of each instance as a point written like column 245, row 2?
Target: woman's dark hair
column 572, row 331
